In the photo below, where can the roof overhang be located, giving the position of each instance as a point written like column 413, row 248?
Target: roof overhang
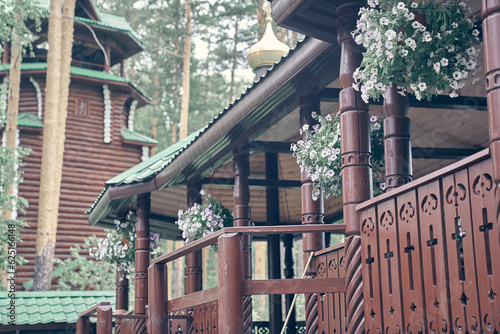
column 305, row 71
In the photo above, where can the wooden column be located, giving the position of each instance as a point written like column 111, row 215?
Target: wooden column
column 122, row 70
column 289, row 273
column 273, row 242
column 231, row 310
column 83, row 325
column 398, row 168
column 158, row 298
column 312, row 213
column 356, row 170
column 121, row 292
column 241, row 169
column 491, row 38
column 193, row 270
column 143, row 205
column 104, row 323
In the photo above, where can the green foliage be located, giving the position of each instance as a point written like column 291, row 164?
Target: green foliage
column 320, row 157
column 422, row 48
column 84, row 273
column 25, row 17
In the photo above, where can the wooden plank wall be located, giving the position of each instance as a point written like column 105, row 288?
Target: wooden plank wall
column 88, row 163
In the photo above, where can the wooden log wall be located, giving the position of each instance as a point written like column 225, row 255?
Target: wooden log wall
column 88, row 163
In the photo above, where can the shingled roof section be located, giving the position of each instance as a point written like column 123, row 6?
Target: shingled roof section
column 29, row 120
column 43, row 307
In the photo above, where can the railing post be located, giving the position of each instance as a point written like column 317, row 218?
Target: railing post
column 397, row 144
column 289, row 273
column 241, row 169
column 356, row 170
column 104, row 318
column 158, row 298
column 83, row 325
column 312, row 213
column 231, row 318
column 491, row 26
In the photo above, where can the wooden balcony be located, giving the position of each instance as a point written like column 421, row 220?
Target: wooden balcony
column 430, row 253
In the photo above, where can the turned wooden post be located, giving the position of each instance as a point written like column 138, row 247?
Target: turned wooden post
column 231, row 310
column 491, row 38
column 158, row 298
column 193, row 270
column 241, row 169
column 143, row 206
column 356, row 170
column 398, row 168
column 312, row 213
column 104, row 323
column 273, row 242
column 121, row 292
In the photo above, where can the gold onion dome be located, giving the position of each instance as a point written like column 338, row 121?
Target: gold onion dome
column 269, row 49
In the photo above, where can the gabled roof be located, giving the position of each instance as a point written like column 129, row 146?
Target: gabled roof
column 43, row 307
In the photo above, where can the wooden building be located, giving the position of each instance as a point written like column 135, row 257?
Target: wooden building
column 100, row 137
column 420, row 258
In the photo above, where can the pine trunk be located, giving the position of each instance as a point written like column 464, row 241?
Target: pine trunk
column 56, row 99
column 12, row 112
column 185, row 75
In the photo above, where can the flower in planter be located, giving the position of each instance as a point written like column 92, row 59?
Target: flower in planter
column 320, row 155
column 204, row 219
column 423, row 48
column 119, row 246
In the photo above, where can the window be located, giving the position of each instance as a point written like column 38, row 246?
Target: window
column 82, row 107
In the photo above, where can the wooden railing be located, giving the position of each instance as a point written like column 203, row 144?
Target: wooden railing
column 104, row 313
column 431, row 253
column 330, row 263
column 225, row 305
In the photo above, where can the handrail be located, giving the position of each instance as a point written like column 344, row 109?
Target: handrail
column 479, row 156
column 252, row 230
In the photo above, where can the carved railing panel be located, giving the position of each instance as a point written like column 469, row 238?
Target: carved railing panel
column 431, row 254
column 331, row 306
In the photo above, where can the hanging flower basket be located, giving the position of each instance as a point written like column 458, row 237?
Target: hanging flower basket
column 119, row 246
column 204, row 219
column 424, row 48
column 320, row 156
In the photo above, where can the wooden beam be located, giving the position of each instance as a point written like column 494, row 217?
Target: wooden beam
column 254, row 183
column 475, row 103
column 417, row 152
column 293, row 286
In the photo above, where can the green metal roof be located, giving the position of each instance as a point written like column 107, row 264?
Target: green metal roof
column 42, row 307
column 154, row 164
column 29, row 120
column 84, row 72
column 135, row 136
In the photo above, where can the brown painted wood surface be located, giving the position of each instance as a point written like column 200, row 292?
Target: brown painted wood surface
column 442, row 272
column 88, row 163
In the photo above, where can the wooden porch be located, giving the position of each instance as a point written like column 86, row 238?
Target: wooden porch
column 420, row 258
column 428, row 260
